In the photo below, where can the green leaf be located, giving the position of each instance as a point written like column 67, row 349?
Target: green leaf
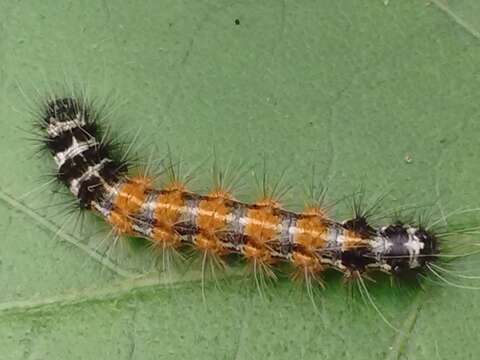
column 379, row 94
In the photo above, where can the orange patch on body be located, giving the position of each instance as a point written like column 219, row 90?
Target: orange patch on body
column 168, row 207
column 212, row 214
column 262, row 225
column 127, row 201
column 352, row 241
column 131, row 195
column 311, row 232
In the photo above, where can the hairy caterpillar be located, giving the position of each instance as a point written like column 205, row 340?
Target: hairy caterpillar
column 96, row 171
column 216, row 224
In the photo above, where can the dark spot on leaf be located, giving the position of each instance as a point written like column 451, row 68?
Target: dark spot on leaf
column 237, row 21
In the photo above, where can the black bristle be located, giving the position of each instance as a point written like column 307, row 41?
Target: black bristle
column 112, row 171
column 360, row 226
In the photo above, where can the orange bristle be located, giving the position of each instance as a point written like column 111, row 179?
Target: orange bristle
column 162, row 238
column 209, row 244
column 306, row 263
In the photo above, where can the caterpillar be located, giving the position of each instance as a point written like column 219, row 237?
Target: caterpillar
column 216, row 224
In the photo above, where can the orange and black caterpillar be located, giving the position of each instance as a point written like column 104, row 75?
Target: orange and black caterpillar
column 216, row 224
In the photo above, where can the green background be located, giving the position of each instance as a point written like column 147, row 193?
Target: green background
column 352, row 87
